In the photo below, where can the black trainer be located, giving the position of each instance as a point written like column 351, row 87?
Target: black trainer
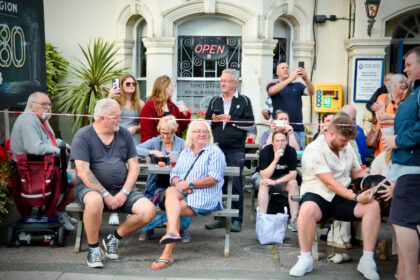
column 111, row 247
column 94, row 257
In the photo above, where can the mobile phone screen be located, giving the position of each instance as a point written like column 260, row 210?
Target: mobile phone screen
column 301, row 64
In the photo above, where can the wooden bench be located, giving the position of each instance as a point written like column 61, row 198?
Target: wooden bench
column 227, row 199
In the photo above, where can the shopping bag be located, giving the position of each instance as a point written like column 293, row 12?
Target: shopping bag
column 271, row 229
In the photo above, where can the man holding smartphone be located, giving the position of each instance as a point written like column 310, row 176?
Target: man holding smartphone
column 224, row 110
column 286, row 94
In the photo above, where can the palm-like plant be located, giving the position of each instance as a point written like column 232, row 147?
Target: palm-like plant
column 94, row 79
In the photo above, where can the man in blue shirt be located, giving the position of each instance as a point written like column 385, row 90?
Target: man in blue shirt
column 286, row 94
column 361, row 138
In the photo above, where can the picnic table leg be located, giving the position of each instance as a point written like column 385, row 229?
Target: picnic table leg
column 79, row 234
column 227, row 236
column 315, row 254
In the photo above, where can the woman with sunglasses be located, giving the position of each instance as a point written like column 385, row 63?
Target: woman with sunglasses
column 128, row 96
column 386, row 105
column 160, row 104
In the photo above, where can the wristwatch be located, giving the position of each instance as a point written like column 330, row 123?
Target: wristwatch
column 105, row 194
column 355, row 198
column 191, row 185
column 127, row 193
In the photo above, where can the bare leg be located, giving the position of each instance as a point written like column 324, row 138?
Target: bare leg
column 371, row 222
column 309, row 215
column 92, row 216
column 292, row 189
column 263, row 197
column 143, row 212
column 408, row 244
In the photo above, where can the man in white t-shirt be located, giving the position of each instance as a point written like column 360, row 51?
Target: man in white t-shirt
column 328, row 166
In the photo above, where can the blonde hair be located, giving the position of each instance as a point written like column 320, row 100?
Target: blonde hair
column 159, row 93
column 168, row 122
column 134, row 99
column 188, row 140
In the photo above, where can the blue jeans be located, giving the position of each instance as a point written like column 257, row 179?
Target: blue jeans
column 302, row 138
column 236, row 159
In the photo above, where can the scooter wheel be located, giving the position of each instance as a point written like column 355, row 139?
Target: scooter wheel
column 60, row 236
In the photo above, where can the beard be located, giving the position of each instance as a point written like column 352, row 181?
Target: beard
column 335, row 147
column 46, row 115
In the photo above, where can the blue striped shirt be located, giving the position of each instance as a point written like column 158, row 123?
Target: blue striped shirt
column 211, row 163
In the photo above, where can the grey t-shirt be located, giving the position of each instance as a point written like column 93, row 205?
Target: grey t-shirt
column 107, row 162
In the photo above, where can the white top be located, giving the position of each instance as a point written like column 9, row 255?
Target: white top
column 318, row 158
column 379, row 166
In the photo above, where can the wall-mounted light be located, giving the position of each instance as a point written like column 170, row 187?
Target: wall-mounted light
column 372, row 7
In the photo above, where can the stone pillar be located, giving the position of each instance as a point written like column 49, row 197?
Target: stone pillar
column 257, row 62
column 160, row 59
column 362, row 48
column 125, row 54
column 303, row 51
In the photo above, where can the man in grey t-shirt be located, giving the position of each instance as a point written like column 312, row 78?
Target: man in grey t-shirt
column 102, row 151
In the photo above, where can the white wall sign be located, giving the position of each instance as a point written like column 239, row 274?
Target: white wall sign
column 368, row 77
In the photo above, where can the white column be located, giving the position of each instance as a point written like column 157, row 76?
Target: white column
column 362, row 48
column 125, row 54
column 257, row 63
column 160, row 59
column 303, row 51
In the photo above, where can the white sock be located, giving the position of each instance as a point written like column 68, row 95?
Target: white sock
column 305, row 254
column 367, row 254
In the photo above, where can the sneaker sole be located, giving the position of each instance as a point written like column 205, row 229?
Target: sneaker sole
column 291, row 229
column 301, row 274
column 109, row 256
column 95, row 264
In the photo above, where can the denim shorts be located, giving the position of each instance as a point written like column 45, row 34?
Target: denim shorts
column 200, row 212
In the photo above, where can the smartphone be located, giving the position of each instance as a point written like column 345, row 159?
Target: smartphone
column 301, row 64
column 216, row 112
column 280, row 123
column 116, row 83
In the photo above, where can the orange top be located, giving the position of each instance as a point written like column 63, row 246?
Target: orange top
column 390, row 108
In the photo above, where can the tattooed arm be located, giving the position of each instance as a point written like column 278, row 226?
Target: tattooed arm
column 90, row 181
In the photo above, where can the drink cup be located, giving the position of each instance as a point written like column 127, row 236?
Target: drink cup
column 173, row 157
column 387, row 131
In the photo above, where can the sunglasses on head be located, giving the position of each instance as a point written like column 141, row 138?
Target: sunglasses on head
column 165, row 77
column 130, row 84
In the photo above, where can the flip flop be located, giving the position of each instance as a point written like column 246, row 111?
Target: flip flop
column 159, row 264
column 170, row 237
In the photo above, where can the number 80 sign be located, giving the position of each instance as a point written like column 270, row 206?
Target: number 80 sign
column 10, row 49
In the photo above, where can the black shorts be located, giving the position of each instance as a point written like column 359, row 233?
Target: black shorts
column 81, row 190
column 405, row 205
column 339, row 208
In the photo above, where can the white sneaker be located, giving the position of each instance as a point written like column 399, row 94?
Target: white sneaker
column 367, row 267
column 63, row 219
column 114, row 220
column 71, row 219
column 304, row 265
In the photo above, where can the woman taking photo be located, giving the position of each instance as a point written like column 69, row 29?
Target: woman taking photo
column 158, row 105
column 128, row 96
column 386, row 105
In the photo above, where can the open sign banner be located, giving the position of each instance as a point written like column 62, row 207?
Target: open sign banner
column 210, row 49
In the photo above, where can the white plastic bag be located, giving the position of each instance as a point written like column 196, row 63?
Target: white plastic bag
column 270, row 228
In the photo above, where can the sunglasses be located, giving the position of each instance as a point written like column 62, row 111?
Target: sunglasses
column 130, row 84
column 165, row 78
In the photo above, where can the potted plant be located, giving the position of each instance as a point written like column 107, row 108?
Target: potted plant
column 91, row 81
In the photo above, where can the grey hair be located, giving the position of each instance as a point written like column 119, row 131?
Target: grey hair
column 395, row 79
column 347, row 112
column 233, row 72
column 34, row 97
column 188, row 138
column 102, row 107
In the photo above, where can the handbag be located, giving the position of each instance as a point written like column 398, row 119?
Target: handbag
column 271, row 229
column 162, row 195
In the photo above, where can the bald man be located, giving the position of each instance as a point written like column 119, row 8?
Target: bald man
column 286, row 95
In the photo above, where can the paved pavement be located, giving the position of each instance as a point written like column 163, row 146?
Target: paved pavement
column 200, row 259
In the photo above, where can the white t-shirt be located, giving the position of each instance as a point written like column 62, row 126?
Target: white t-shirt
column 318, row 158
